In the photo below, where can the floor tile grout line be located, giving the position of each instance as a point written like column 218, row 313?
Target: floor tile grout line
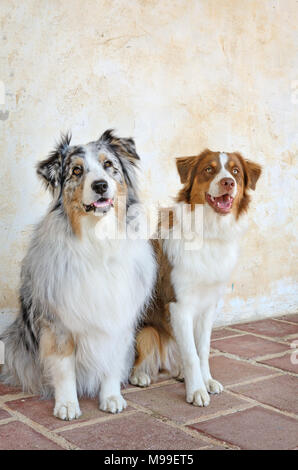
column 12, row 397
column 253, row 362
column 227, row 337
column 173, row 424
column 289, row 322
column 77, row 424
column 291, row 336
column 228, row 445
column 60, row 441
column 150, row 387
column 7, row 420
column 278, row 340
column 19, row 396
column 219, row 414
column 205, row 447
column 265, row 357
column 281, row 371
column 253, row 381
column 263, row 405
column 211, row 439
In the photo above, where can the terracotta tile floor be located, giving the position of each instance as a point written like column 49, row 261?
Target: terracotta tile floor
column 257, row 410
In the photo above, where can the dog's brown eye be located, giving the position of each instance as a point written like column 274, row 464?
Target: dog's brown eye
column 107, row 164
column 77, row 171
column 208, row 169
column 235, row 171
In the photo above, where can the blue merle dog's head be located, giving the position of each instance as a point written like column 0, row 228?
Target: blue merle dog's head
column 88, row 179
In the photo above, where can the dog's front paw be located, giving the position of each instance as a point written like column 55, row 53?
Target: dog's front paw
column 198, row 398
column 67, row 410
column 113, row 404
column 213, row 386
column 141, row 379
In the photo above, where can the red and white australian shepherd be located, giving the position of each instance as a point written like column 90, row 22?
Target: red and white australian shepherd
column 190, row 282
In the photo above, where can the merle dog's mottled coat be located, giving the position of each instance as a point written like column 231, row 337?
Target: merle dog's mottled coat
column 80, row 296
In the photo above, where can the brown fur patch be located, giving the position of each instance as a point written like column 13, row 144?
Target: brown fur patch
column 250, row 173
column 163, row 289
column 184, row 166
column 72, row 201
column 147, row 341
column 120, row 204
column 50, row 345
column 157, row 331
column 166, row 221
column 253, row 171
column 102, row 157
column 197, row 180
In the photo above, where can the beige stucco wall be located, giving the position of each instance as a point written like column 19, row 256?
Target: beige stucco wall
column 178, row 76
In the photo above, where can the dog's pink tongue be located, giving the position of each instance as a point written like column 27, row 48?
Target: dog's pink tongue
column 224, row 202
column 106, row 202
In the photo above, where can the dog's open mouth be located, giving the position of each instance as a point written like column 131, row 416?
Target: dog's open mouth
column 101, row 205
column 221, row 204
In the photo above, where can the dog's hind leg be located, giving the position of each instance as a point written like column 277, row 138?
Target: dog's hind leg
column 148, row 357
column 156, row 351
column 58, row 358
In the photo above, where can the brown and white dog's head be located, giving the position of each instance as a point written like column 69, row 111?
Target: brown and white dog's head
column 88, row 179
column 218, row 179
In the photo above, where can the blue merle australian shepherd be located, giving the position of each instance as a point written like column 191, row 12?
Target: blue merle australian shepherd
column 81, row 294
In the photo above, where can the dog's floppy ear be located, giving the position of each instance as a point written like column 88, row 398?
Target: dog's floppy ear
column 252, row 172
column 184, row 167
column 125, row 149
column 50, row 170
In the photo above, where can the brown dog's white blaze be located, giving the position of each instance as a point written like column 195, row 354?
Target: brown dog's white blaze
column 198, row 172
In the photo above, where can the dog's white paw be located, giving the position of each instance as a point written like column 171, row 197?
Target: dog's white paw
column 213, row 386
column 67, row 410
column 113, row 404
column 198, row 398
column 141, row 379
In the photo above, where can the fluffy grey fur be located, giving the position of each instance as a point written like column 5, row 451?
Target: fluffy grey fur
column 80, row 288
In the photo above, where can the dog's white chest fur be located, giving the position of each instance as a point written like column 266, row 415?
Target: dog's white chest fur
column 101, row 287
column 199, row 275
column 110, row 286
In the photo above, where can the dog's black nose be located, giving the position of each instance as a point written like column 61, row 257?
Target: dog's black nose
column 99, row 186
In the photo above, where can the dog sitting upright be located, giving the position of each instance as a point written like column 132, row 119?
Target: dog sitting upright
column 190, row 282
column 81, row 294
